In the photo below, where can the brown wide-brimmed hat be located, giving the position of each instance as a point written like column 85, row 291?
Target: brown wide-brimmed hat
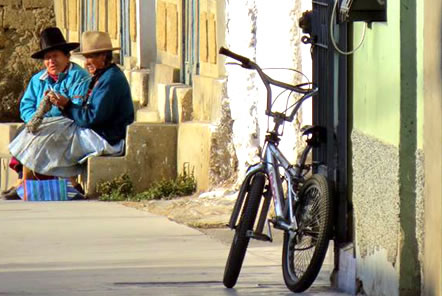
column 51, row 39
column 95, row 42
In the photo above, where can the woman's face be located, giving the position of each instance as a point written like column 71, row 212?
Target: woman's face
column 55, row 61
column 94, row 62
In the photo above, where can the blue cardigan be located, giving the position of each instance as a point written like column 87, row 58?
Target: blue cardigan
column 67, row 85
column 109, row 108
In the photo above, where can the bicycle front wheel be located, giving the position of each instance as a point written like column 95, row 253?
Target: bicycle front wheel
column 241, row 239
column 304, row 251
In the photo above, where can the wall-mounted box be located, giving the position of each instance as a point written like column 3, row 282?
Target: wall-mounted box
column 363, row 10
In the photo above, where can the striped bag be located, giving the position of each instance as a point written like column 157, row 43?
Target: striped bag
column 48, row 190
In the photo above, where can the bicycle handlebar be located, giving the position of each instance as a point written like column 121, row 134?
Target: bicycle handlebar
column 240, row 58
column 248, row 64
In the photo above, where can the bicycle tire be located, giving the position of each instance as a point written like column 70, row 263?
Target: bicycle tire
column 315, row 221
column 241, row 240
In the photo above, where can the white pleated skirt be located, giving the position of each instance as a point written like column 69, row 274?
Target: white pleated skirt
column 60, row 147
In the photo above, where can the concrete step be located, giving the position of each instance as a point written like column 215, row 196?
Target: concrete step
column 7, row 133
column 173, row 104
column 145, row 115
column 8, row 177
column 151, row 155
column 194, row 151
column 139, row 85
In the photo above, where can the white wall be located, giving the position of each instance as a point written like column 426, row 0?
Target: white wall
column 267, row 32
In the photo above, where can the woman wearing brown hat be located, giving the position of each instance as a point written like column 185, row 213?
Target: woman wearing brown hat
column 96, row 127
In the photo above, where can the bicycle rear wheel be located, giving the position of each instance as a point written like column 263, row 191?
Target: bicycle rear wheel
column 304, row 251
column 241, row 240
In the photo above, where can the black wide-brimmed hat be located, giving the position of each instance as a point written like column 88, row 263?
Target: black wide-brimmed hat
column 51, row 39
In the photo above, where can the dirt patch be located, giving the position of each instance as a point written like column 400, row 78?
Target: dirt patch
column 194, row 211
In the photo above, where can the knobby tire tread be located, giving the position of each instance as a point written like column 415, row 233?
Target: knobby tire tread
column 241, row 241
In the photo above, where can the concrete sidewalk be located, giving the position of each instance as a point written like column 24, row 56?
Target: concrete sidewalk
column 97, row 248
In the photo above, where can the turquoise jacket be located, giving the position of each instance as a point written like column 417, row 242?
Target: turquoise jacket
column 72, row 84
column 109, row 108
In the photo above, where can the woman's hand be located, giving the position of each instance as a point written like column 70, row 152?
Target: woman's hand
column 58, row 100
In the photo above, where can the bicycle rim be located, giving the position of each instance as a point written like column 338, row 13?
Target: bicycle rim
column 304, row 251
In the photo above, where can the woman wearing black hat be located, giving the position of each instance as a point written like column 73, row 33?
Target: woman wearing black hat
column 59, row 75
column 97, row 127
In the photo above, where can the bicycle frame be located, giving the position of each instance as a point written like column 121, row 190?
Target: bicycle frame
column 272, row 157
column 295, row 206
column 271, row 161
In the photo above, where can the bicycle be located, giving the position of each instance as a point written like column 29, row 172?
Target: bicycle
column 303, row 206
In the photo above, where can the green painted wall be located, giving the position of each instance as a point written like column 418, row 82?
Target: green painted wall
column 376, row 88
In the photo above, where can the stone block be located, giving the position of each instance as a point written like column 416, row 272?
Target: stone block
column 182, row 108
column 3, row 39
column 18, row 19
column 161, row 74
column 14, row 3
column 194, row 151
column 203, row 38
column 211, row 39
column 207, row 94
column 172, row 28
column 146, row 115
column 37, row 3
column 161, row 25
column 130, row 62
column 7, row 133
column 151, row 154
column 8, row 177
column 163, row 102
column 139, row 85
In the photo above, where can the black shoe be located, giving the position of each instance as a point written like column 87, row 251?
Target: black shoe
column 11, row 195
column 7, row 190
column 79, row 188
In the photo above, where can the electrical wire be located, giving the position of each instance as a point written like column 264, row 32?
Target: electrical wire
column 332, row 37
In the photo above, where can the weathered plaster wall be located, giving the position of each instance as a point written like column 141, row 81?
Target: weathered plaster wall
column 376, row 211
column 375, row 195
column 21, row 22
column 253, row 31
column 420, row 206
column 388, row 129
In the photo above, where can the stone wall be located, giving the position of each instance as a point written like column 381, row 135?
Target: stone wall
column 21, row 22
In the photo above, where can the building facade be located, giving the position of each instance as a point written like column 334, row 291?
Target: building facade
column 396, row 151
column 170, row 56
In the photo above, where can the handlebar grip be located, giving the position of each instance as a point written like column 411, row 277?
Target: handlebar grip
column 224, row 51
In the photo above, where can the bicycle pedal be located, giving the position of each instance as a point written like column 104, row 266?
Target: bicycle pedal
column 280, row 224
column 259, row 236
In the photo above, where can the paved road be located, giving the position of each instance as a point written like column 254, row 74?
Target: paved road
column 96, row 248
